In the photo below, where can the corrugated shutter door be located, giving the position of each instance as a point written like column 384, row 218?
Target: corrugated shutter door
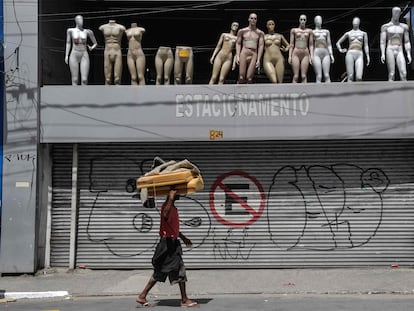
column 61, row 196
column 265, row 204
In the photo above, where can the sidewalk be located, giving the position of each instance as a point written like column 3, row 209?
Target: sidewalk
column 83, row 282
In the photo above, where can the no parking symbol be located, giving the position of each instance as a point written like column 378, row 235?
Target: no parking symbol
column 237, row 199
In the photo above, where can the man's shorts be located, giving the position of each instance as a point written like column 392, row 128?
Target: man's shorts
column 174, row 277
column 167, row 261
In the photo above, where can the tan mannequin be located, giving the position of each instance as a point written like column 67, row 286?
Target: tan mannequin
column 183, row 57
column 273, row 60
column 222, row 57
column 323, row 54
column 135, row 56
column 394, row 40
column 354, row 58
column 113, row 33
column 77, row 45
column 301, row 50
column 164, row 61
column 249, row 49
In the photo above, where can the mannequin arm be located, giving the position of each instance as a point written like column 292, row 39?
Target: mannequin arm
column 330, row 47
column 217, row 49
column 93, row 39
column 339, row 42
column 407, row 45
column 291, row 45
column 68, row 45
column 366, row 48
column 285, row 44
column 260, row 51
column 311, row 51
column 383, row 39
column 238, row 46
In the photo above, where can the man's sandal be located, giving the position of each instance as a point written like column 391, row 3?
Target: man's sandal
column 189, row 304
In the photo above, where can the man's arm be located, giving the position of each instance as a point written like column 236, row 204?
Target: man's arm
column 186, row 240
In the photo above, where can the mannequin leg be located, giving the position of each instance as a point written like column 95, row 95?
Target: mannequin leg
column 359, row 68
column 326, row 67
column 159, row 69
column 140, row 67
column 178, row 70
column 402, row 66
column 295, row 68
column 390, row 64
column 304, row 69
column 317, row 66
column 242, row 68
column 252, row 68
column 225, row 69
column 74, row 69
column 349, row 63
column 168, row 65
column 189, row 70
column 216, row 69
column 270, row 71
column 108, row 67
column 118, row 68
column 280, row 69
column 84, row 68
column 132, row 69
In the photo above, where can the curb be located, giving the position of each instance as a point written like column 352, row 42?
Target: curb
column 32, row 295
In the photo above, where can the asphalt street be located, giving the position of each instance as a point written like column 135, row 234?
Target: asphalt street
column 295, row 302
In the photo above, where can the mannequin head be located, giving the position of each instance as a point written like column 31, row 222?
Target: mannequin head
column 302, row 21
column 234, row 26
column 271, row 26
column 396, row 12
column 356, row 22
column 79, row 21
column 252, row 19
column 318, row 21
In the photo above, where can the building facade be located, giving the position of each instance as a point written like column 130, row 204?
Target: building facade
column 296, row 175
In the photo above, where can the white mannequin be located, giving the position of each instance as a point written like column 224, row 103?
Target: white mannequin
column 393, row 36
column 76, row 53
column 354, row 59
column 323, row 54
column 113, row 33
column 136, row 56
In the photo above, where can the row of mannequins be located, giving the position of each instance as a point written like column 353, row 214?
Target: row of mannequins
column 252, row 47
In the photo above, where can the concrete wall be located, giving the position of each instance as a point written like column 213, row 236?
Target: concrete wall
column 373, row 110
column 18, row 229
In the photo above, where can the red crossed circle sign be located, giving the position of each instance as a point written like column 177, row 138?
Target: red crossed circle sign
column 249, row 207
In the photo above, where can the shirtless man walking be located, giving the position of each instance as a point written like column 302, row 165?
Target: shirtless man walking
column 249, row 50
column 393, row 36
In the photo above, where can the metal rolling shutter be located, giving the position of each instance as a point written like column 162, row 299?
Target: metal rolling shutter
column 323, row 204
column 61, row 196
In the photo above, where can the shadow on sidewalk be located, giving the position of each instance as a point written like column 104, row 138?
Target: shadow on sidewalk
column 177, row 303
